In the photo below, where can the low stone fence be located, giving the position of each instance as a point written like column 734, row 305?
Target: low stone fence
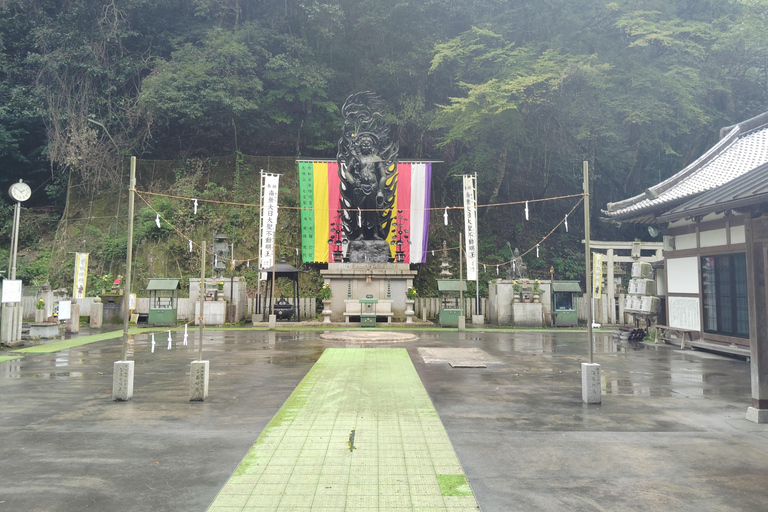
column 307, row 307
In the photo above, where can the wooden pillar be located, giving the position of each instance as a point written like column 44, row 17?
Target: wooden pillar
column 757, row 264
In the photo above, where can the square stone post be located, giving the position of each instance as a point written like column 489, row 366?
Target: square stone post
column 198, row 381
column 73, row 324
column 590, row 383
column 122, row 381
column 97, row 313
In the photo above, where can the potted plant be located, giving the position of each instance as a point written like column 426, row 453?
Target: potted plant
column 516, row 288
column 325, row 295
column 537, row 291
column 220, row 286
column 40, row 311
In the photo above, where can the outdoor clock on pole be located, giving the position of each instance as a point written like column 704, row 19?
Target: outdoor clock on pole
column 20, row 191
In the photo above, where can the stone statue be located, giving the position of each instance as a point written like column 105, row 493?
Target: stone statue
column 367, row 170
column 517, row 267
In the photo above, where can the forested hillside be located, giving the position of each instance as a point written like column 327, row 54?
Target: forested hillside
column 519, row 91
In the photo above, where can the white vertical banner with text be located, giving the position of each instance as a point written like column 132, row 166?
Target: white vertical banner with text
column 269, row 188
column 81, row 275
column 597, row 274
column 470, row 225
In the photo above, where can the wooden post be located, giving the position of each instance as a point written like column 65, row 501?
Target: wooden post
column 128, row 258
column 588, row 261
column 202, row 302
column 757, row 293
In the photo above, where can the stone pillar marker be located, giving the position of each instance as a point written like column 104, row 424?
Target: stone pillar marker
column 97, row 313
column 122, row 381
column 198, row 381
column 462, row 323
column 272, row 322
column 590, row 383
column 73, row 324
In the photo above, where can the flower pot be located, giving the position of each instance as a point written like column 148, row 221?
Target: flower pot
column 409, row 312
column 327, row 311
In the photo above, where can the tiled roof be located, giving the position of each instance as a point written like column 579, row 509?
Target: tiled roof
column 744, row 191
column 742, row 149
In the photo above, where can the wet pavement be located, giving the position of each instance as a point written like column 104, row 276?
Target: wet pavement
column 670, row 433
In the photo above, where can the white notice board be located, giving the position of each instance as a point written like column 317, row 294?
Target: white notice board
column 684, row 313
column 683, row 275
column 65, row 309
column 11, row 290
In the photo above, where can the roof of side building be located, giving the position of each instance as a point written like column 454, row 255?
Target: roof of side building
column 742, row 148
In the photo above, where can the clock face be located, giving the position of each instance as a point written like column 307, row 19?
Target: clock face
column 20, row 191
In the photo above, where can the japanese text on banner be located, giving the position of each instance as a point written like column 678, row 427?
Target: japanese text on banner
column 597, row 273
column 81, row 275
column 470, row 226
column 268, row 220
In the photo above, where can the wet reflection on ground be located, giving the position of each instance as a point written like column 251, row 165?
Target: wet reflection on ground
column 628, row 368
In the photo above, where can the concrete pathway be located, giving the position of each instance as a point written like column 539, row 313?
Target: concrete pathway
column 359, row 433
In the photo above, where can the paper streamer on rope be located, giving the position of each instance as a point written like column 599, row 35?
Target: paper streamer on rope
column 445, row 216
column 319, row 184
column 190, row 246
column 169, row 340
column 195, row 200
column 537, row 250
column 566, row 222
column 157, row 220
column 526, row 210
column 186, row 335
column 153, row 343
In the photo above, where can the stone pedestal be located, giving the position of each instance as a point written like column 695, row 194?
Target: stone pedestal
column 369, row 251
column 122, row 381
column 198, row 381
column 327, row 311
column 502, row 298
column 355, row 281
column 409, row 312
column 214, row 312
column 40, row 316
column 462, row 323
column 272, row 325
column 590, row 383
column 97, row 314
column 233, row 291
column 527, row 314
column 10, row 330
column 757, row 415
column 73, row 324
column 44, row 330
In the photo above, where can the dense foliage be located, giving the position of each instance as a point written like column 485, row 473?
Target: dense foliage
column 520, row 92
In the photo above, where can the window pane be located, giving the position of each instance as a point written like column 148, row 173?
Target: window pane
column 741, row 301
column 709, row 293
column 724, row 276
